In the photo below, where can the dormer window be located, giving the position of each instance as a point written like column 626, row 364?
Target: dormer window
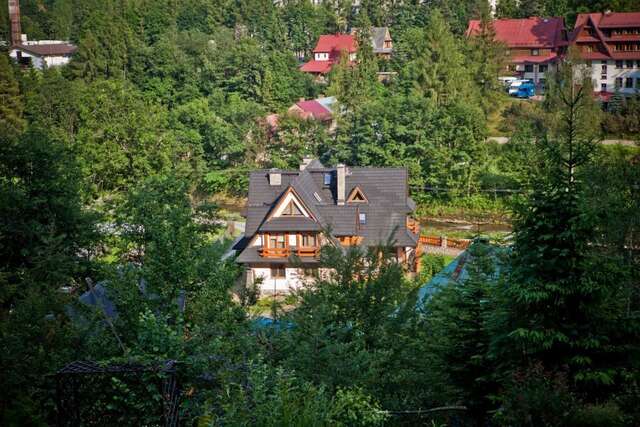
column 292, row 210
column 327, row 179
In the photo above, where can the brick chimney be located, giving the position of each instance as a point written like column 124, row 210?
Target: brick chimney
column 341, row 175
column 14, row 16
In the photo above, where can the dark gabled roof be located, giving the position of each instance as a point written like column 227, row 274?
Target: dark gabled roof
column 48, row 49
column 378, row 37
column 386, row 207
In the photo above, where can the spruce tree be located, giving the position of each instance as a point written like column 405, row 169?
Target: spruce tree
column 11, row 107
column 559, row 289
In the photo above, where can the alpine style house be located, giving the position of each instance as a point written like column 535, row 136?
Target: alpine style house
column 291, row 214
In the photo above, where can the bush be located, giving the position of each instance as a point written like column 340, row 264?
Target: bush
column 600, row 415
column 535, row 397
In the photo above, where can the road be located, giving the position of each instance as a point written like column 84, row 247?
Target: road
column 626, row 142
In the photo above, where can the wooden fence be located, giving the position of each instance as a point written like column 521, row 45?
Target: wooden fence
column 445, row 242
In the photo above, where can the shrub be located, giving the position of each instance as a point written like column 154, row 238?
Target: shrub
column 600, row 415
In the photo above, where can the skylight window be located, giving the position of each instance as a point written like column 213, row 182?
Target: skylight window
column 317, row 196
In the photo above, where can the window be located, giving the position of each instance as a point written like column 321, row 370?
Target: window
column 327, row 179
column 603, row 87
column 357, row 196
column 629, row 64
column 604, row 68
column 292, row 210
column 362, row 218
column 619, row 64
column 308, row 240
column 618, row 82
column 638, row 83
column 542, row 68
column 535, row 52
column 278, row 272
column 276, row 241
column 310, row 272
column 528, row 68
column 628, row 83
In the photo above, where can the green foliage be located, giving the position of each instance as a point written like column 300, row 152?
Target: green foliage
column 535, row 397
column 11, row 108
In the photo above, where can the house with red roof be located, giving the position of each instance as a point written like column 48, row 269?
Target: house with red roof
column 328, row 51
column 320, row 109
column 610, row 43
column 535, row 45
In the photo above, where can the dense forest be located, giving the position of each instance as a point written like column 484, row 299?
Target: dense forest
column 108, row 168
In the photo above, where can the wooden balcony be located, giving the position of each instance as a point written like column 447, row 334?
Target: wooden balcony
column 308, row 252
column 275, row 252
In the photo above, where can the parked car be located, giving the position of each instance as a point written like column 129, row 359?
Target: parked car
column 513, row 88
column 526, row 90
column 506, row 81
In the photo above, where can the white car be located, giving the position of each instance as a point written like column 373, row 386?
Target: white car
column 513, row 87
column 506, row 81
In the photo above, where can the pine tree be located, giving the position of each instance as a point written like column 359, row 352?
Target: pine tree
column 438, row 71
column 558, row 294
column 11, row 106
column 487, row 55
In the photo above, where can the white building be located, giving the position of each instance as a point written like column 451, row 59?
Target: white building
column 610, row 43
column 42, row 53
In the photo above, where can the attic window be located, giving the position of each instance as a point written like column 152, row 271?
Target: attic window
column 292, row 210
column 327, row 179
column 357, row 196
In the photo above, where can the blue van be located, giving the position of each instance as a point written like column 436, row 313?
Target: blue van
column 526, row 90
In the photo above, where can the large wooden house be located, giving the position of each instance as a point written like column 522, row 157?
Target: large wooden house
column 291, row 214
column 610, row 43
column 331, row 47
column 535, row 45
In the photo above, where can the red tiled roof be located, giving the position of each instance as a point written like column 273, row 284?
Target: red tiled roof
column 336, row 43
column 619, row 19
column 603, row 95
column 53, row 49
column 535, row 59
column 610, row 20
column 313, row 107
column 314, row 66
column 532, row 32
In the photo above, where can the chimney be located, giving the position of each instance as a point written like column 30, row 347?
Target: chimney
column 305, row 162
column 341, row 172
column 14, row 16
column 275, row 177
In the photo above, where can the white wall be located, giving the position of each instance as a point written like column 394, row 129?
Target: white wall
column 39, row 62
column 612, row 72
column 536, row 75
column 294, row 279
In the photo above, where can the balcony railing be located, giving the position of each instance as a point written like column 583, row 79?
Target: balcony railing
column 286, row 252
column 275, row 252
column 307, row 252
